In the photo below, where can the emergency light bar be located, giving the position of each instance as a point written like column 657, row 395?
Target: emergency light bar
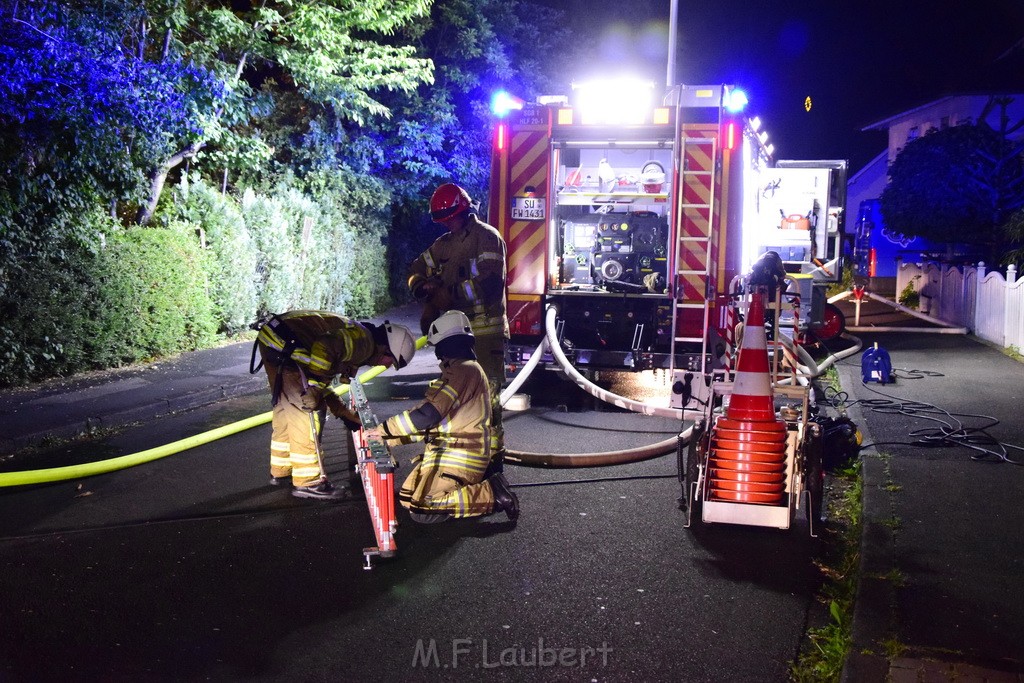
column 502, row 103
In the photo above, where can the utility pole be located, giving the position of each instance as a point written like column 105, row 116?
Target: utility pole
column 670, row 75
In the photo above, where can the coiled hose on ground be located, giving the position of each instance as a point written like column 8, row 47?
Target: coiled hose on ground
column 592, row 459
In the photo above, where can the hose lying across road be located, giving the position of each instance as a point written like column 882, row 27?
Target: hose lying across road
column 90, row 469
column 529, row 459
column 591, row 459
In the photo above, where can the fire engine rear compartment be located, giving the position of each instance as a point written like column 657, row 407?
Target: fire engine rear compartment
column 635, row 232
column 611, row 245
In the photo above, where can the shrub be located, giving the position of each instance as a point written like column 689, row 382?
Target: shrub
column 231, row 254
column 909, row 297
column 278, row 269
column 47, row 301
column 355, row 211
column 154, row 294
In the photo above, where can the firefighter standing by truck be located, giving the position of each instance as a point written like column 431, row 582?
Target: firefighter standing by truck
column 303, row 351
column 465, row 270
column 454, row 419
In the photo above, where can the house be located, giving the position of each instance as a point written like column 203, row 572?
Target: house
column 865, row 185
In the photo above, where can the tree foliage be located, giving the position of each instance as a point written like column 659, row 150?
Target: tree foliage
column 301, row 138
column 328, row 55
column 958, row 185
column 441, row 132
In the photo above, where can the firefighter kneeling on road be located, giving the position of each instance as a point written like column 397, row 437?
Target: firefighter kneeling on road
column 455, row 421
column 303, row 352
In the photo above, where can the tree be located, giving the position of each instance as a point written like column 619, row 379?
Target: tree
column 331, row 53
column 442, row 131
column 80, row 114
column 958, row 185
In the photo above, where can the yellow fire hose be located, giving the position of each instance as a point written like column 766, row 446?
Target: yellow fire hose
column 113, row 464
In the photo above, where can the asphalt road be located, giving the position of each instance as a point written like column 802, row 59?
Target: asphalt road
column 193, row 568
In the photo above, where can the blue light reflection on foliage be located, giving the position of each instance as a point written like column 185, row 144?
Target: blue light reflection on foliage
column 68, row 82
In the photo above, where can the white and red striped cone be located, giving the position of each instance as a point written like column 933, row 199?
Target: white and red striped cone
column 752, row 386
column 747, row 462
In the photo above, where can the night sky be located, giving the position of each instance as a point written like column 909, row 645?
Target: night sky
column 859, row 62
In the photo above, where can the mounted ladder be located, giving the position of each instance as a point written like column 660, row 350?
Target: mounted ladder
column 695, row 248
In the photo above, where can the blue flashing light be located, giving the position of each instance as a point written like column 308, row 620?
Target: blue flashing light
column 502, row 103
column 736, row 101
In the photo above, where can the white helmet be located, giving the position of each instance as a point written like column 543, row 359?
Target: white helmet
column 449, row 324
column 401, row 343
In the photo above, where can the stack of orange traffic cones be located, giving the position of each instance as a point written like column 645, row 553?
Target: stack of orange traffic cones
column 747, row 459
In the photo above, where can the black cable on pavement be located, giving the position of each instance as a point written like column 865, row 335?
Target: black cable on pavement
column 950, row 432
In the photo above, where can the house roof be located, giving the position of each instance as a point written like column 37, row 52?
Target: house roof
column 882, row 157
column 886, row 123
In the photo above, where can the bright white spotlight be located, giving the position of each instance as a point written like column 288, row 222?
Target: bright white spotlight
column 621, row 100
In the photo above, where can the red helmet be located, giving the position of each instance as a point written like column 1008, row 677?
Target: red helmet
column 447, row 202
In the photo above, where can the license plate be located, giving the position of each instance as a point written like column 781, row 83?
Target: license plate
column 528, row 208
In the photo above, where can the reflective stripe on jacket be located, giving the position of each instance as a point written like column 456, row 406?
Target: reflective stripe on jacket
column 462, row 437
column 321, row 343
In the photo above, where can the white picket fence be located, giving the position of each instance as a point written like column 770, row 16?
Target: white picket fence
column 990, row 305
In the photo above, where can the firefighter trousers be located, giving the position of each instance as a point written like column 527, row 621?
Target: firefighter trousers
column 293, row 439
column 433, row 489
column 490, row 351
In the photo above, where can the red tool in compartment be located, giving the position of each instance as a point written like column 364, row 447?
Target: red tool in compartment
column 377, row 470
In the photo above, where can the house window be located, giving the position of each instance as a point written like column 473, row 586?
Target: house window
column 913, row 133
column 944, row 123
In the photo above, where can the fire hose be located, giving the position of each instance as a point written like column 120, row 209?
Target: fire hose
column 89, row 469
column 591, row 459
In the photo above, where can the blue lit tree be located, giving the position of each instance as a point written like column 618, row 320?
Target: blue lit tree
column 964, row 184
column 442, row 131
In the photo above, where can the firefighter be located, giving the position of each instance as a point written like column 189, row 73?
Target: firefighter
column 448, row 481
column 464, row 270
column 303, row 352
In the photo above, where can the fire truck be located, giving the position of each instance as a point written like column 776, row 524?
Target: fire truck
column 635, row 224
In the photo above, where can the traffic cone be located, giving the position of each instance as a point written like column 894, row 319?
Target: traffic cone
column 752, row 386
column 747, row 458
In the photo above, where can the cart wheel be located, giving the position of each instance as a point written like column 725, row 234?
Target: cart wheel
column 833, row 323
column 815, row 476
column 694, row 454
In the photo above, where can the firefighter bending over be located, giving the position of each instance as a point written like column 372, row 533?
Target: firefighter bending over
column 454, row 420
column 465, row 270
column 303, row 352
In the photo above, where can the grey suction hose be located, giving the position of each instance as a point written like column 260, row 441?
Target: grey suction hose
column 524, row 373
column 594, row 459
column 812, row 368
column 590, row 387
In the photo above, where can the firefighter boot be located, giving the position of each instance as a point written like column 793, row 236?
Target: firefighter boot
column 321, row 490
column 504, row 499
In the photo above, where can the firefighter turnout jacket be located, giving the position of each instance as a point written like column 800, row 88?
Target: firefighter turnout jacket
column 302, row 352
column 469, row 266
column 449, row 477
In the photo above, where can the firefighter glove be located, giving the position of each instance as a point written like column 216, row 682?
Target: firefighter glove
column 349, row 417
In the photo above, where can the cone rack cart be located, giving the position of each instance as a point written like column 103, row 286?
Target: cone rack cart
column 754, row 458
